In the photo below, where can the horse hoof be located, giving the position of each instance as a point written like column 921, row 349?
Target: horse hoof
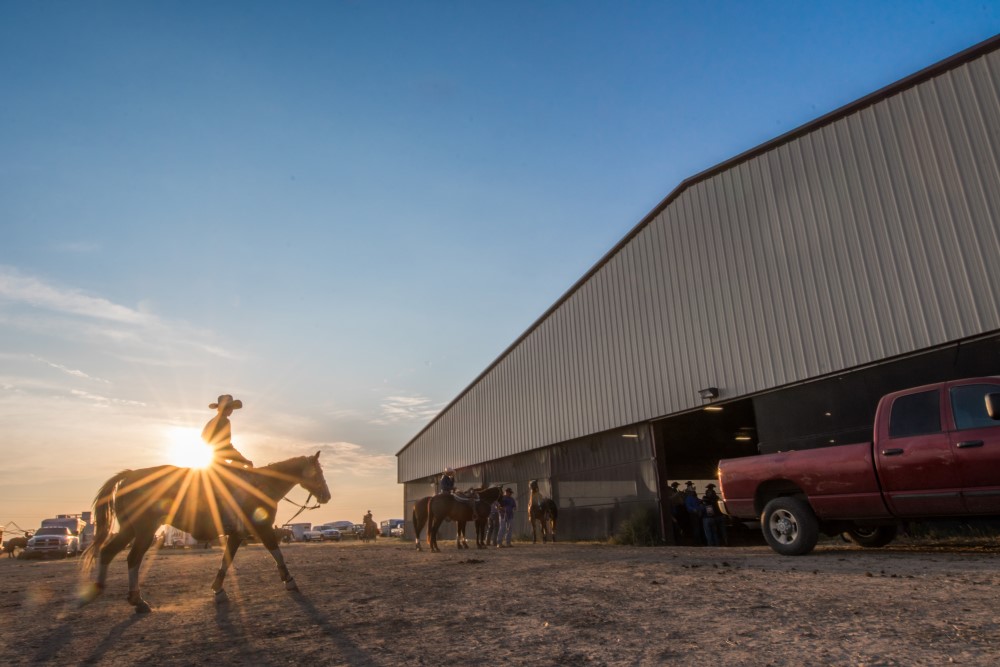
column 290, row 585
column 143, row 607
column 221, row 597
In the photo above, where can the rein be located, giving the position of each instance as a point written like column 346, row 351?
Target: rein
column 302, row 508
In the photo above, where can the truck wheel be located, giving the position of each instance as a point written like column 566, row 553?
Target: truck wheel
column 789, row 526
column 871, row 537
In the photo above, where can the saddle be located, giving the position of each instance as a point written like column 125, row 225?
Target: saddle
column 469, row 497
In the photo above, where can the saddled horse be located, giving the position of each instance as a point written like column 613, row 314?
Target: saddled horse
column 542, row 513
column 369, row 530
column 446, row 506
column 219, row 500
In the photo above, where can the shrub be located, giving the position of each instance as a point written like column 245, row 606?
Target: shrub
column 641, row 529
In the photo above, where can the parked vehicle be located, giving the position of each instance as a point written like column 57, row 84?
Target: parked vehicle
column 346, row 528
column 55, row 541
column 312, row 535
column 330, row 534
column 298, row 530
column 388, row 525
column 934, row 454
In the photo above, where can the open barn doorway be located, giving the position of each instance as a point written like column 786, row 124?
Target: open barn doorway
column 689, row 447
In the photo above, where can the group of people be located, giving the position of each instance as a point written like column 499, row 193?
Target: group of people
column 699, row 520
column 500, row 524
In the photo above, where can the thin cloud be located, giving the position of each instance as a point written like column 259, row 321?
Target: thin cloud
column 396, row 409
column 68, row 371
column 78, row 247
column 64, row 309
column 104, row 400
column 19, row 288
column 350, row 457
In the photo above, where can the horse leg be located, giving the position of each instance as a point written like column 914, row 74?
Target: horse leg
column 269, row 540
column 433, row 523
column 418, row 524
column 143, row 540
column 104, row 557
column 460, row 541
column 232, row 544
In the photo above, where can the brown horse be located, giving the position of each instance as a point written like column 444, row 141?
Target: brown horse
column 220, row 500
column 369, row 530
column 542, row 513
column 445, row 506
column 11, row 546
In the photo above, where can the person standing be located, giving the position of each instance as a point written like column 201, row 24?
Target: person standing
column 713, row 521
column 493, row 524
column 694, row 511
column 507, row 507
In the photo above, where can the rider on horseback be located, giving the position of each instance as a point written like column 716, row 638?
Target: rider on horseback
column 447, row 483
column 218, row 432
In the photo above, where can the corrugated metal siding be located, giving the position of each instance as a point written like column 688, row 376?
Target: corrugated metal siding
column 874, row 235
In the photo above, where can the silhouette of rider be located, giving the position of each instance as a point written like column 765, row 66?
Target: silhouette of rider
column 218, row 432
column 447, row 484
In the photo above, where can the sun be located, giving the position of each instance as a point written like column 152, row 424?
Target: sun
column 186, row 449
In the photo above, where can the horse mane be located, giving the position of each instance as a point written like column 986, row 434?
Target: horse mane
column 294, row 462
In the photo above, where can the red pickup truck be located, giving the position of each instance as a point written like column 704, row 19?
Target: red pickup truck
column 935, row 455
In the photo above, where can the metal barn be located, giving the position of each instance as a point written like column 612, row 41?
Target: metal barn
column 785, row 290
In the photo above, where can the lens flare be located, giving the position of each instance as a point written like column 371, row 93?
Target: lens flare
column 186, row 449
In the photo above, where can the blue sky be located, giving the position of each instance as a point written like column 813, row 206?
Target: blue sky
column 342, row 212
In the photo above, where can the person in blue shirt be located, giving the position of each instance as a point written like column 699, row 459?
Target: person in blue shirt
column 507, row 507
column 447, row 483
column 695, row 513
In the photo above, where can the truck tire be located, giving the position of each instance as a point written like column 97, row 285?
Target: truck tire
column 871, row 537
column 789, row 526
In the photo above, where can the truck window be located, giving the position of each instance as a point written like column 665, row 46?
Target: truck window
column 968, row 404
column 915, row 414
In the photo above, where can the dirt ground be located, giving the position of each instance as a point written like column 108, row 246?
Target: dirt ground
column 563, row 604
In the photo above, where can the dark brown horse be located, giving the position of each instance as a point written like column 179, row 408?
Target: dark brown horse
column 369, row 531
column 11, row 546
column 220, row 500
column 542, row 513
column 446, row 506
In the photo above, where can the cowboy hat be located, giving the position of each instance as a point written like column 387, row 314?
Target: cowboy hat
column 224, row 400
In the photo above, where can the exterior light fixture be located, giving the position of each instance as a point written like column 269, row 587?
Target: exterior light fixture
column 708, row 393
column 713, row 408
column 743, row 438
column 630, row 435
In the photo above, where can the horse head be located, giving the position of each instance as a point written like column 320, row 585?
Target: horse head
column 312, row 480
column 533, row 485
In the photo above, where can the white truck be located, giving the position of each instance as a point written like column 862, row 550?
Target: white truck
column 58, row 537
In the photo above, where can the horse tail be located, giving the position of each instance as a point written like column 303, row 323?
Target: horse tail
column 419, row 518
column 104, row 516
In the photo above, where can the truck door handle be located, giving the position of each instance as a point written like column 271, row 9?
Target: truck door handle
column 891, row 452
column 970, row 443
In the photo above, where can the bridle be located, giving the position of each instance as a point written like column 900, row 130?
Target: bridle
column 302, row 508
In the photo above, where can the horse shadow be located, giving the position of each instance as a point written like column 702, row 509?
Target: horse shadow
column 231, row 624
column 53, row 644
column 350, row 652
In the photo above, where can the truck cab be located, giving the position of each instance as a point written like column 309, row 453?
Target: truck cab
column 934, row 454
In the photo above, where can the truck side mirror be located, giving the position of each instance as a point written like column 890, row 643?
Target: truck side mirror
column 993, row 406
